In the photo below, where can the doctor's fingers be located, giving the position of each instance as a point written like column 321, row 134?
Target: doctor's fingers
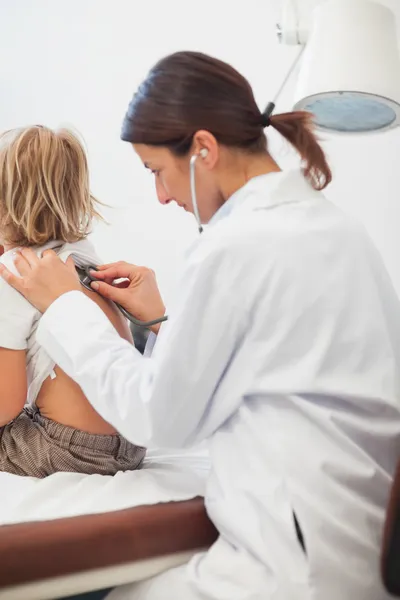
column 116, row 270
column 29, row 255
column 122, row 285
column 26, row 259
column 51, row 260
column 13, row 280
column 22, row 264
column 122, row 270
column 111, row 292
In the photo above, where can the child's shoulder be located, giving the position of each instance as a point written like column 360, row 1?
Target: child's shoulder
column 17, row 316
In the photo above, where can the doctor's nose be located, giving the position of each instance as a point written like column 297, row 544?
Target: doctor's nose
column 162, row 195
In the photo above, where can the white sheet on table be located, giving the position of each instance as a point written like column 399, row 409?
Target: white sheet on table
column 166, row 476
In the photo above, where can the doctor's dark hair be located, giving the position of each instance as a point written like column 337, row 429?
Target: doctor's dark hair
column 189, row 91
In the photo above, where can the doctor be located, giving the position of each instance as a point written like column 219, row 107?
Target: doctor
column 283, row 350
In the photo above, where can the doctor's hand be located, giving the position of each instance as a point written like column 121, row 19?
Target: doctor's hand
column 138, row 293
column 42, row 280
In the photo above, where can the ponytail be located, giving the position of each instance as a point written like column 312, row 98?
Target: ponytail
column 189, row 91
column 298, row 129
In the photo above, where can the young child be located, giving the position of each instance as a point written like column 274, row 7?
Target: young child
column 46, row 423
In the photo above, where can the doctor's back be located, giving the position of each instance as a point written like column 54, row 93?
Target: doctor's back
column 312, row 389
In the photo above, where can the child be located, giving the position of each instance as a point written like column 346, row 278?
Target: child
column 46, row 423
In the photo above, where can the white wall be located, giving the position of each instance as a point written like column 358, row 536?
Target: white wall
column 79, row 61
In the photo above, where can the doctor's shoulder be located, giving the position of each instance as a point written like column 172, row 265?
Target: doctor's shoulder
column 263, row 240
column 291, row 236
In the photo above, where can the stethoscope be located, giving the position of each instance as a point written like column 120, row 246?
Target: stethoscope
column 86, row 278
column 203, row 153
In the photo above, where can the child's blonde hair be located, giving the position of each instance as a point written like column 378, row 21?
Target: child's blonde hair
column 44, row 187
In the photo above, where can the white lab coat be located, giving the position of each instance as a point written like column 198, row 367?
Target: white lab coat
column 283, row 351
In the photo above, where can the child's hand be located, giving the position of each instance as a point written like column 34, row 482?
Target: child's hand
column 42, row 280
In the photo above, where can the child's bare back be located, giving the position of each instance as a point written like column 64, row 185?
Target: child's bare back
column 62, row 400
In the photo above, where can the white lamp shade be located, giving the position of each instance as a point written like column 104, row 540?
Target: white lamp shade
column 350, row 73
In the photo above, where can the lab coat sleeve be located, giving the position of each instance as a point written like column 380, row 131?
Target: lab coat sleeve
column 162, row 400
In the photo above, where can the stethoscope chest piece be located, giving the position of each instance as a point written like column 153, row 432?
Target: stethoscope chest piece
column 86, row 278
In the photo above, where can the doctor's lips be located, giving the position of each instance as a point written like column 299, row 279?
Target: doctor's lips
column 179, row 204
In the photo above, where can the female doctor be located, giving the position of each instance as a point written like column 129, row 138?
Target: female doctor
column 283, row 349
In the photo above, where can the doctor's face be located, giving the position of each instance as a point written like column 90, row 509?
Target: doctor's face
column 172, row 179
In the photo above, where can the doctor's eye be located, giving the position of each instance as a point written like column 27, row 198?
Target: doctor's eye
column 155, row 172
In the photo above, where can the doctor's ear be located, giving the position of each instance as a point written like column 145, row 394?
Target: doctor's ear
column 206, row 147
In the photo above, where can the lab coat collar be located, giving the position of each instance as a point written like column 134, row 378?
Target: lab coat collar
column 266, row 191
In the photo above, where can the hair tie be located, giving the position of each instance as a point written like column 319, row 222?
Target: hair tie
column 265, row 120
column 266, row 115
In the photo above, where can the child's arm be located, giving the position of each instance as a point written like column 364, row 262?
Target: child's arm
column 17, row 317
column 13, row 384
